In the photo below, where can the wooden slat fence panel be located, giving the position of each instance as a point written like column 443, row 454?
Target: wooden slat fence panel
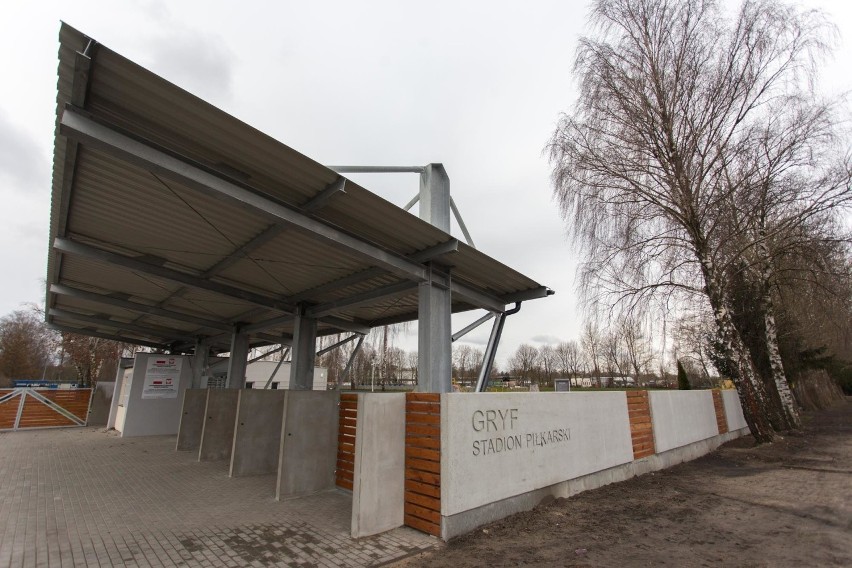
column 423, row 462
column 641, row 427
column 38, row 414
column 719, row 407
column 348, row 415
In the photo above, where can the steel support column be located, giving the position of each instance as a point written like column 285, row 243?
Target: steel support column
column 435, row 196
column 304, row 351
column 238, row 360
column 434, row 339
column 199, row 362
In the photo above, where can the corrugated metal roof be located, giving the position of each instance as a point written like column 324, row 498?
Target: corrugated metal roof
column 103, row 200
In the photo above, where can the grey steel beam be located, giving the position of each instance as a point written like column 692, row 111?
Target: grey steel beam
column 111, row 336
column 411, row 203
column 72, row 292
column 338, row 344
column 200, row 353
column 133, row 263
column 434, row 362
column 371, row 296
column 435, row 196
column 447, row 247
column 491, row 348
column 319, row 200
column 274, row 230
column 238, row 361
column 460, row 221
column 75, row 125
column 344, row 325
column 119, row 325
column 348, row 367
column 464, row 331
column 304, row 352
column 266, row 324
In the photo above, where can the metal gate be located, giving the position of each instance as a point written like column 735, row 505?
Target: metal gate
column 25, row 408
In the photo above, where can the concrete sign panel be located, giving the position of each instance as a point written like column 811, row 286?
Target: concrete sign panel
column 162, row 377
column 682, row 417
column 498, row 445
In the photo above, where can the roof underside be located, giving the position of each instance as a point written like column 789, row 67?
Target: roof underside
column 172, row 221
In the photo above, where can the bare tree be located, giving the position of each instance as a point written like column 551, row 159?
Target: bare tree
column 592, row 343
column 548, row 360
column 644, row 165
column 524, row 361
column 569, row 357
column 26, row 345
column 636, row 345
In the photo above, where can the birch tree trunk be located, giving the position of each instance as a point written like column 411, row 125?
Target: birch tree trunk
column 779, row 377
column 750, row 387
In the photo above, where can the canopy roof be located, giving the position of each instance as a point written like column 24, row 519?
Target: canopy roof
column 172, row 220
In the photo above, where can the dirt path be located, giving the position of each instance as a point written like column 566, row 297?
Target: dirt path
column 786, row 504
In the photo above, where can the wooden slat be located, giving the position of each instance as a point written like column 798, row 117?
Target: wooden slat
column 423, row 513
column 422, row 465
column 431, row 503
column 423, row 454
column 347, row 428
column 423, row 477
column 423, row 429
column 433, row 443
column 412, row 486
column 423, row 418
column 423, row 526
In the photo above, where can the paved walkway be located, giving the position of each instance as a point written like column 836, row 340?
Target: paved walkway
column 84, row 497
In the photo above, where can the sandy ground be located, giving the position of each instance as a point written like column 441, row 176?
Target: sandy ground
column 784, row 504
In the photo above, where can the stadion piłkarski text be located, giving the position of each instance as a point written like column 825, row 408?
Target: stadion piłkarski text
column 500, row 428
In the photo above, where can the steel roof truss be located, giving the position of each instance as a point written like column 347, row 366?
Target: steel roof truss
column 133, row 263
column 119, row 325
column 136, row 307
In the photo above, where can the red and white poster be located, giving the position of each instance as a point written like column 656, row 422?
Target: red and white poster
column 162, row 377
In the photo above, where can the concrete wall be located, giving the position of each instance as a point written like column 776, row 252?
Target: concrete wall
column 308, row 453
column 467, row 521
column 217, row 435
column 154, row 416
column 499, row 445
column 682, row 417
column 257, row 433
column 379, row 480
column 733, row 410
column 121, row 376
column 191, row 419
column 99, row 409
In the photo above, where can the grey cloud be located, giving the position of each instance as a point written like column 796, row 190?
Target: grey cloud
column 22, row 164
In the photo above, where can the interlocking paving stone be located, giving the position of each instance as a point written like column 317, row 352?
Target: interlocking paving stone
column 84, row 497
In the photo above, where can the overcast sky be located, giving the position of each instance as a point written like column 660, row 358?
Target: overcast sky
column 477, row 86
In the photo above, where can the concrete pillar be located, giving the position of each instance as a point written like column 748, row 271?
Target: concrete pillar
column 238, row 361
column 199, row 362
column 434, row 370
column 434, row 339
column 304, row 352
column 435, row 197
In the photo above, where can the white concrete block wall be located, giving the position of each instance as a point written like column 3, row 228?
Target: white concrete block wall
column 378, row 490
column 733, row 410
column 499, row 445
column 682, row 417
